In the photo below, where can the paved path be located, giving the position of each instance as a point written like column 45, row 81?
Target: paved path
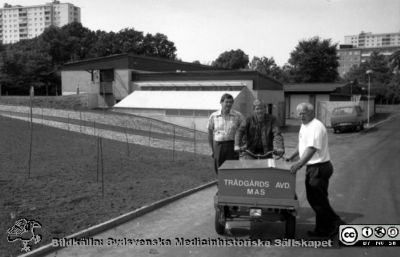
column 362, row 190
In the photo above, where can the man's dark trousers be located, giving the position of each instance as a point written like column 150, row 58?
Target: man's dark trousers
column 317, row 182
column 223, row 151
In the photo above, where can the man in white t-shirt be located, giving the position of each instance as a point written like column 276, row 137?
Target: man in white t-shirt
column 314, row 154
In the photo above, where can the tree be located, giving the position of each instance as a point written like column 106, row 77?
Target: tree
column 394, row 61
column 26, row 64
column 267, row 66
column 314, row 60
column 37, row 61
column 394, row 85
column 129, row 41
column 234, row 59
column 104, row 44
column 383, row 80
column 393, row 89
column 69, row 43
column 159, row 45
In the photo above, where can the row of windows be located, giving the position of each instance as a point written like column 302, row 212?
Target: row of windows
column 24, row 27
column 30, row 14
column 349, row 53
column 190, row 113
column 16, row 31
column 40, row 24
column 27, row 20
column 10, row 41
column 16, row 38
column 31, row 18
column 350, row 60
column 381, row 37
column 36, row 9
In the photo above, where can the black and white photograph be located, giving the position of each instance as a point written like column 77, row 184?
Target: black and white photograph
column 199, row 128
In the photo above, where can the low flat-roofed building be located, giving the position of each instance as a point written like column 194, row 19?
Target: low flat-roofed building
column 125, row 81
column 186, row 108
column 307, row 92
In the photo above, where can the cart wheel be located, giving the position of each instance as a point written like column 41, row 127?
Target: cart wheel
column 290, row 226
column 220, row 220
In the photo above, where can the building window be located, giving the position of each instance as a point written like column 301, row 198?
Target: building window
column 172, row 112
column 202, row 113
column 190, row 113
column 107, row 75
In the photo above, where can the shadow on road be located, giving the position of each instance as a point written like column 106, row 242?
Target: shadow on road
column 269, row 230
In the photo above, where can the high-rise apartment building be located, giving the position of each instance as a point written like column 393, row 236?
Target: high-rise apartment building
column 367, row 39
column 24, row 22
column 358, row 48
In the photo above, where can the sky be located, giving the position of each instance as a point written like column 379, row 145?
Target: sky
column 203, row 29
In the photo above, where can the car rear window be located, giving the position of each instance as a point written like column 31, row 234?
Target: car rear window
column 343, row 111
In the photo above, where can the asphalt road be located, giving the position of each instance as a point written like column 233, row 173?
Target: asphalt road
column 363, row 190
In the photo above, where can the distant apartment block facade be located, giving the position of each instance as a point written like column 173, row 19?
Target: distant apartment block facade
column 358, row 48
column 367, row 39
column 25, row 22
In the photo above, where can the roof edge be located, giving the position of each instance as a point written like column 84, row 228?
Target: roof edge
column 127, row 55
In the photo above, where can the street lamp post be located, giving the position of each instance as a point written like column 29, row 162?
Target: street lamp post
column 351, row 90
column 368, row 72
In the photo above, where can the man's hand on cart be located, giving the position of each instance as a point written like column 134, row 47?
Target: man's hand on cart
column 278, row 153
column 295, row 167
column 287, row 159
column 239, row 149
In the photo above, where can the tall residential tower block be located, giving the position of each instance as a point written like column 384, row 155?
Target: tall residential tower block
column 25, row 22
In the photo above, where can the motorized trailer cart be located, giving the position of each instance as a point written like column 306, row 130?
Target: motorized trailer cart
column 256, row 190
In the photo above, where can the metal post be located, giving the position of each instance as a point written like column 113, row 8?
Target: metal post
column 80, row 121
column 102, row 167
column 98, row 157
column 369, row 93
column 173, row 146
column 194, row 139
column 31, row 92
column 351, row 91
column 127, row 139
column 151, row 124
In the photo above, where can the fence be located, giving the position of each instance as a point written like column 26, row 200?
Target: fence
column 130, row 129
column 74, row 102
column 97, row 166
column 389, row 108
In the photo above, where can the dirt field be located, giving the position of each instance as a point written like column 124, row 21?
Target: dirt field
column 64, row 188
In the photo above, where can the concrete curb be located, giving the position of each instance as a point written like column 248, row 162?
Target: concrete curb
column 46, row 249
column 366, row 129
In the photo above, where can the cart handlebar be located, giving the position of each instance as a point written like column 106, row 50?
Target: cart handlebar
column 260, row 156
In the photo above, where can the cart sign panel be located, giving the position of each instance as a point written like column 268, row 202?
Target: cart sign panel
column 255, row 179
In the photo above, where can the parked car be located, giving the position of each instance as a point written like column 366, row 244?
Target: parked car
column 347, row 117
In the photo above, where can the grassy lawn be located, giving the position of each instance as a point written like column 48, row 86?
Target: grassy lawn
column 64, row 191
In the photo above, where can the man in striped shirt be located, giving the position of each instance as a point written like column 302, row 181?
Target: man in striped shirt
column 222, row 126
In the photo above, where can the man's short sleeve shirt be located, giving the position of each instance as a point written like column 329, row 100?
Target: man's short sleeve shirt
column 314, row 134
column 224, row 126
